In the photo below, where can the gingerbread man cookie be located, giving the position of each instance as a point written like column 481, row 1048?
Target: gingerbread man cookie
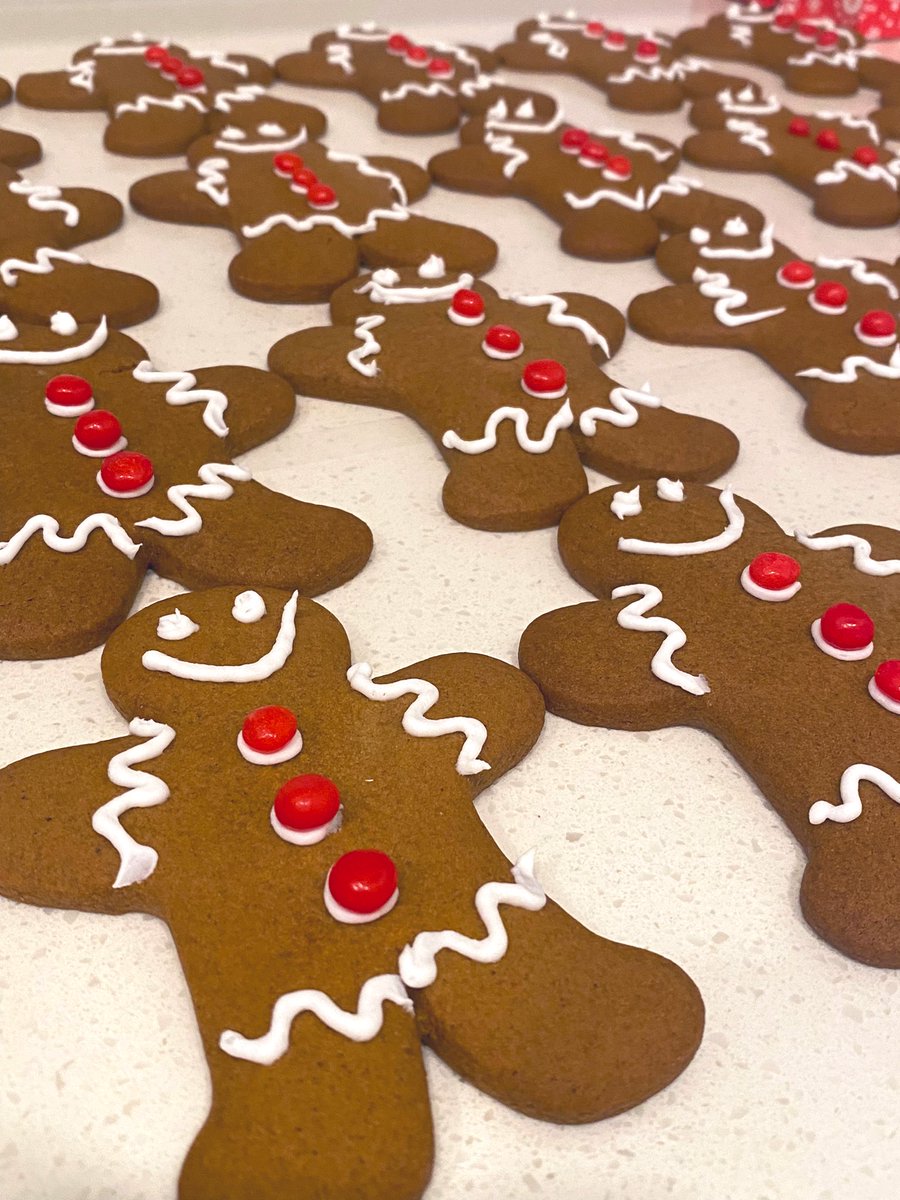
column 785, row 648
column 306, row 216
column 611, row 192
column 415, row 88
column 39, row 272
column 122, row 467
column 814, row 57
column 349, row 906
column 157, row 95
column 509, row 388
column 16, row 149
column 834, row 157
column 829, row 327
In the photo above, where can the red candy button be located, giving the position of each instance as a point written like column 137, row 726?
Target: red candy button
column 846, row 627
column 571, row 140
column 807, row 32
column 190, row 77
column 827, row 139
column 831, row 295
column 646, row 49
column 866, row 156
column 268, row 730
column 887, row 679
column 302, row 179
column 286, row 164
column 594, row 29
column 320, row 195
column 619, row 165
column 307, row 802
column 362, row 882
column 502, row 341
column 417, row 56
column 594, row 152
column 126, row 473
column 796, row 274
column 544, row 377
column 155, row 55
column 783, row 21
column 467, row 306
column 774, row 571
column 441, row 67
column 98, row 430
column 398, row 44
column 614, row 40
column 799, row 127
column 827, row 38
column 877, row 326
column 69, row 394
column 170, row 66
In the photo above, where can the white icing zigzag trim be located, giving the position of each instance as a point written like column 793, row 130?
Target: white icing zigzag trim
column 303, row 225
column 632, row 616
column 729, row 535
column 851, row 804
column 841, row 171
column 853, row 364
column 213, row 487
column 862, row 552
column 242, row 94
column 860, row 272
column 418, row 89
column 561, row 419
column 42, row 264
column 623, row 413
column 138, row 862
column 715, row 285
column 44, row 197
column 559, row 315
column 751, row 133
column 143, row 104
column 49, row 529
column 416, row 723
column 184, row 390
column 370, row 346
column 214, row 181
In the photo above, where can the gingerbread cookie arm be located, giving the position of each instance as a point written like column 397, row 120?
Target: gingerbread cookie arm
column 19, row 150
column 86, row 291
column 172, row 129
column 54, row 90
column 834, row 415
column 174, row 196
column 678, row 315
column 99, row 214
column 604, row 317
column 472, row 168
column 477, row 1020
column 409, row 243
column 415, row 179
column 313, row 68
column 260, row 404
column 52, row 854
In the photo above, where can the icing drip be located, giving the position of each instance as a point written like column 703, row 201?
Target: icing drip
column 729, row 535
column 221, row 61
column 45, row 198
column 555, row 47
column 717, row 286
column 81, row 75
column 213, row 487
column 851, row 803
column 626, row 504
column 370, row 346
column 622, row 414
column 184, row 390
column 49, row 529
column 66, row 355
column 138, row 862
column 561, row 419
column 559, row 315
column 852, row 365
column 634, row 143
column 214, row 181
column 416, row 723
column 632, row 616
column 42, row 264
column 862, row 551
column 273, row 660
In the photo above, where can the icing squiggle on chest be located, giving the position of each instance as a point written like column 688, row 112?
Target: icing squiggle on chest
column 561, row 419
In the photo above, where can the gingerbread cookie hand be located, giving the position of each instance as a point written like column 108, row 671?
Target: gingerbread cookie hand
column 697, row 589
column 17, row 150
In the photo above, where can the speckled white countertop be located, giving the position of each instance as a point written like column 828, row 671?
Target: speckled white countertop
column 654, row 839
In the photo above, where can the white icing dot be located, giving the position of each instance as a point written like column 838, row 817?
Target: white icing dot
column 8, row 331
column 248, row 607
column 64, row 324
column 271, row 129
column 232, row 134
column 736, row 227
column 175, row 627
column 433, row 268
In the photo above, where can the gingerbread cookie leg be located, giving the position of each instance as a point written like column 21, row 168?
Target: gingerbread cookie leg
column 286, row 267
column 409, row 243
column 839, row 419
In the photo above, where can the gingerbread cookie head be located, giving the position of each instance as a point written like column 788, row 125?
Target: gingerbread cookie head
column 111, row 466
column 156, row 93
column 351, row 903
column 509, row 387
column 828, row 327
column 711, row 615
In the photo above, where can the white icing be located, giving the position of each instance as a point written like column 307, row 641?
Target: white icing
column 242, row 94
column 743, row 34
column 248, row 608
column 674, row 72
column 765, row 249
column 827, row 310
column 348, row 917
column 525, row 111
column 850, row 368
column 632, row 616
column 416, row 723
column 64, row 324
column 223, row 62
column 138, row 862
column 777, row 595
column 214, row 181
column 270, row 129
column 637, row 144
column 860, row 272
column 560, row 316
column 853, row 122
column 746, row 104
column 120, row 443
column 670, row 489
column 231, row 133
column 418, row 89
column 836, row 651
column 561, row 419
column 270, row 759
column 128, row 494
column 433, row 267
column 66, row 355
column 626, row 504
column 851, row 803
column 751, row 133
column 892, row 706
column 843, row 168
column 638, row 202
column 623, row 413
column 717, row 286
column 175, row 627
column 555, row 47
column 869, row 339
column 43, row 198
column 49, row 529
column 502, row 355
column 267, row 147
column 862, row 552
column 81, row 75
column 184, row 390
column 339, row 54
column 42, row 264
column 306, row 837
column 835, row 58
column 143, row 104
column 751, row 13
column 8, row 331
column 381, row 288
column 370, row 346
column 213, row 487
column 70, row 410
column 273, row 660
column 504, row 144
column 736, row 227
column 729, row 535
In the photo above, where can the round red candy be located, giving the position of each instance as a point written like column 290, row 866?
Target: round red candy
column 418, row 55
column 440, row 66
column 286, row 163
column 154, row 55
column 887, row 679
column 303, row 177
column 799, row 127
column 646, row 48
column 307, row 802
column 571, row 140
column 847, row 627
column 620, row 165
column 68, row 391
column 268, row 730
column 363, row 881
column 190, row 77
column 614, row 38
column 97, row 430
column 807, row 31
column 170, row 66
column 831, row 295
column 827, row 38
column 503, row 339
column 466, row 303
column 783, row 21
column 320, row 195
column 878, row 324
column 827, row 139
column 796, row 272
column 774, row 571
column 398, row 44
column 594, row 28
column 594, row 152
column 544, row 375
column 866, row 156
column 126, row 471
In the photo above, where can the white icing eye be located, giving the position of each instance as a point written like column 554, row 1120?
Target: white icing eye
column 8, row 331
column 64, row 324
column 271, row 129
column 175, row 627
column 232, row 134
column 248, row 607
column 433, row 268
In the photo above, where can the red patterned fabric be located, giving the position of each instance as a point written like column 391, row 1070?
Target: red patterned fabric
column 873, row 19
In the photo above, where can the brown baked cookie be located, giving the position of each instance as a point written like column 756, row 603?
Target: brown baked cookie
column 835, row 158
column 638, row 72
column 829, row 328
column 611, row 192
column 815, row 58
column 303, row 828
column 16, row 149
column 122, row 467
column 509, row 388
column 416, row 88
column 805, row 691
column 157, row 94
column 306, row 216
column 39, row 273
